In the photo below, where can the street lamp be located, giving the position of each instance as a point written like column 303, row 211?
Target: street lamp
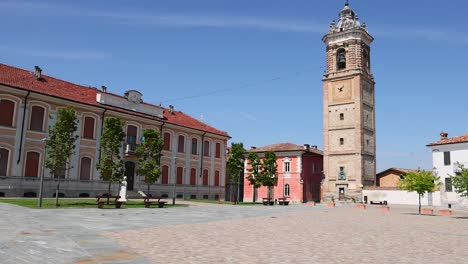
column 362, row 193
column 175, row 179
column 41, row 184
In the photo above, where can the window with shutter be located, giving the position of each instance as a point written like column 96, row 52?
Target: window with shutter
column 165, row 175
column 32, row 164
column 7, row 108
column 181, row 144
column 193, row 176
column 167, row 141
column 180, row 174
column 4, row 154
column 206, row 149
column 194, row 146
column 205, row 177
column 36, row 122
column 88, row 131
column 85, row 169
column 218, row 150
column 216, row 178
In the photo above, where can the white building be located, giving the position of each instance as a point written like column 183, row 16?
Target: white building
column 446, row 155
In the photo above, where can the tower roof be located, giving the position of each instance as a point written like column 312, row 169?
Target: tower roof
column 348, row 19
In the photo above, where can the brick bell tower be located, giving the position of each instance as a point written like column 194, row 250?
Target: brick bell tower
column 348, row 109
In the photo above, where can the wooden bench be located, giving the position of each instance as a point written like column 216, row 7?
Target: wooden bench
column 379, row 202
column 268, row 201
column 148, row 202
column 283, row 201
column 109, row 199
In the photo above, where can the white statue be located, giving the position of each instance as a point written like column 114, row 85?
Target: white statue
column 123, row 190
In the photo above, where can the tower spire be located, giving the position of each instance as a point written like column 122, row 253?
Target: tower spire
column 347, row 3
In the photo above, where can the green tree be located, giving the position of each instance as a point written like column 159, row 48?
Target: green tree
column 61, row 145
column 420, row 182
column 254, row 176
column 111, row 164
column 149, row 156
column 268, row 175
column 235, row 165
column 460, row 180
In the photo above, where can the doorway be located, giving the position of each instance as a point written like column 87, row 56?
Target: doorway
column 130, row 173
column 341, row 194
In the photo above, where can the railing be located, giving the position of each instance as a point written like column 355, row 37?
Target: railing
column 129, row 149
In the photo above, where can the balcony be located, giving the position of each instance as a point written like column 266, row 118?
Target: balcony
column 130, row 149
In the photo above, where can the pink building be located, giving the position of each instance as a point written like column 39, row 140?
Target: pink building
column 299, row 173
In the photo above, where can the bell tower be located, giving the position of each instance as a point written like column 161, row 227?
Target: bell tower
column 348, row 109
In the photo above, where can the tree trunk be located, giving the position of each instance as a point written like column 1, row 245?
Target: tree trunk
column 254, row 194
column 108, row 191
column 57, row 193
column 419, row 195
column 147, row 193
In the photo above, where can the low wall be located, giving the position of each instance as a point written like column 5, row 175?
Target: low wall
column 402, row 197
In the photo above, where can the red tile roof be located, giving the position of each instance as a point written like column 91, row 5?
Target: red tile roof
column 284, row 147
column 398, row 170
column 23, row 79
column 452, row 140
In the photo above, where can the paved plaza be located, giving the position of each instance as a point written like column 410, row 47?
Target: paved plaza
column 212, row 233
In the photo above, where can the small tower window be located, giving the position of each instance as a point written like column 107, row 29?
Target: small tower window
column 342, row 174
column 341, row 141
column 341, row 59
column 341, row 116
column 365, row 58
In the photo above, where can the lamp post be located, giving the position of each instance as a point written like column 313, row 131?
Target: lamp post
column 175, row 179
column 41, row 182
column 362, row 193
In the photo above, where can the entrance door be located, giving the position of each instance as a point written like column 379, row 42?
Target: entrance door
column 130, row 173
column 341, row 196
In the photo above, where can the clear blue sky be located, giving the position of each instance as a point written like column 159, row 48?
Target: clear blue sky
column 258, row 63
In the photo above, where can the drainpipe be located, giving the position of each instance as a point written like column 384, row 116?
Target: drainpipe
column 201, row 156
column 161, row 135
column 22, row 127
column 102, row 129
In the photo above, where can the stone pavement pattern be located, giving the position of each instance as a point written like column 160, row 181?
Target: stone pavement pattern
column 231, row 234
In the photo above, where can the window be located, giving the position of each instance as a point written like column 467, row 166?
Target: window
column 165, row 175
column 287, row 166
column 32, row 164
column 85, row 169
column 341, row 116
column 7, row 108
column 216, row 178
column 193, row 176
column 180, row 174
column 37, row 118
column 342, row 174
column 341, row 141
column 181, row 144
column 286, row 189
column 167, row 141
column 132, row 132
column 218, row 150
column 206, row 149
column 367, row 142
column 88, row 131
column 205, row 177
column 313, row 167
column 341, row 59
column 448, row 184
column 194, row 146
column 366, row 58
column 447, row 158
column 4, row 153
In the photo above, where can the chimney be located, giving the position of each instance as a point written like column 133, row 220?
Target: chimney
column 314, row 147
column 443, row 135
column 171, row 109
column 307, row 147
column 253, row 147
column 104, row 89
column 37, row 72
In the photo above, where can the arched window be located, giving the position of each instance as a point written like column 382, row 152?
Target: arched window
column 132, row 132
column 366, row 59
column 167, row 141
column 7, row 108
column 193, row 176
column 181, row 144
column 341, row 59
column 194, row 146
column 216, row 178
column 286, row 190
column 4, row 155
column 32, row 164
column 36, row 123
column 218, row 150
column 85, row 169
column 88, row 131
column 165, row 175
column 180, row 175
column 205, row 177
column 206, row 148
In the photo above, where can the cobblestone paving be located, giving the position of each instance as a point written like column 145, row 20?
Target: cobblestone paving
column 215, row 233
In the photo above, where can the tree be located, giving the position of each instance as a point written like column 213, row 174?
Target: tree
column 420, row 182
column 149, row 156
column 111, row 164
column 268, row 176
column 460, row 181
column 61, row 145
column 235, row 165
column 254, row 176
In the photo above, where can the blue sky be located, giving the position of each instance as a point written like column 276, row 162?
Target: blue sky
column 253, row 67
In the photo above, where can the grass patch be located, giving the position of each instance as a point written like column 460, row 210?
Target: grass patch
column 49, row 203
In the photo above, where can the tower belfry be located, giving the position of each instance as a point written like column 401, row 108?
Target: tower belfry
column 348, row 109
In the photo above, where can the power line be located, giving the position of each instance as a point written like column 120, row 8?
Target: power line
column 259, row 83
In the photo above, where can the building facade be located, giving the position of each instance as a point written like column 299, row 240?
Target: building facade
column 193, row 158
column 299, row 172
column 447, row 155
column 390, row 178
column 348, row 109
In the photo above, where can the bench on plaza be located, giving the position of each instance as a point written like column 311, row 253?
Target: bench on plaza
column 268, row 201
column 153, row 200
column 283, row 201
column 379, row 202
column 109, row 199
